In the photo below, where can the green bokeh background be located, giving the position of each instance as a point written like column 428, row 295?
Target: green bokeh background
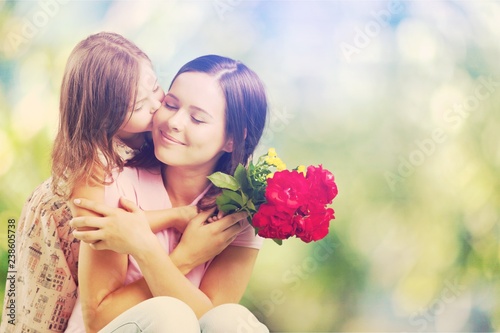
column 399, row 99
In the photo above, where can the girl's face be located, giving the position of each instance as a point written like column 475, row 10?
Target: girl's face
column 189, row 129
column 149, row 98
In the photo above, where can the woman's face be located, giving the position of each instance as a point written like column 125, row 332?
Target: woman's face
column 148, row 100
column 189, row 128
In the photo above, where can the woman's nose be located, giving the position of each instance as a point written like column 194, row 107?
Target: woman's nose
column 175, row 121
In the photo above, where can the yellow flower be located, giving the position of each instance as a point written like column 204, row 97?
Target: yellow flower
column 302, row 168
column 271, row 152
column 280, row 166
column 277, row 162
column 270, row 175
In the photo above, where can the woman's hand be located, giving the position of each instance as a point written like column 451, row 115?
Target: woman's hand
column 121, row 230
column 202, row 241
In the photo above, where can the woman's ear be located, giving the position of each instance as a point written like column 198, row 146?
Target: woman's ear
column 228, row 147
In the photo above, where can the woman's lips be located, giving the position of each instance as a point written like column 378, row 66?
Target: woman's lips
column 171, row 139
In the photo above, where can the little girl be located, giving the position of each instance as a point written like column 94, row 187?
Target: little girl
column 109, row 94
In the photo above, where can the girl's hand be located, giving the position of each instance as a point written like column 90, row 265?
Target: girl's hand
column 182, row 216
column 177, row 218
column 217, row 217
column 202, row 241
column 121, row 230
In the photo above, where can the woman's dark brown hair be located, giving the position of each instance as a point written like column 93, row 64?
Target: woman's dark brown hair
column 246, row 112
column 98, row 89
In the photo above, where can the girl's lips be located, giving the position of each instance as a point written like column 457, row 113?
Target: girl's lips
column 171, row 139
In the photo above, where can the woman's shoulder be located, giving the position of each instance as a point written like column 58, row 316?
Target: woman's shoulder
column 124, row 151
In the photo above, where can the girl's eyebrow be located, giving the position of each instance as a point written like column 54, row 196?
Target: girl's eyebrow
column 142, row 99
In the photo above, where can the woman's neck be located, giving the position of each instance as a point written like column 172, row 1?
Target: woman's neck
column 182, row 185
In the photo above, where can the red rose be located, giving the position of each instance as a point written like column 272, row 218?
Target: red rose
column 287, row 190
column 314, row 226
column 273, row 223
column 322, row 185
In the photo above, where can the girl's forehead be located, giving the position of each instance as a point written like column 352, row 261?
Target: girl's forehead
column 147, row 80
column 148, row 76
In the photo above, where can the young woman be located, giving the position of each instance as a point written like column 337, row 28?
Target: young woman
column 212, row 120
column 108, row 96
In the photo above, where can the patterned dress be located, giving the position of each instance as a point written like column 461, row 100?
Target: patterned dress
column 46, row 284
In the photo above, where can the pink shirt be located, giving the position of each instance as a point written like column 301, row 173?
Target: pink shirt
column 146, row 189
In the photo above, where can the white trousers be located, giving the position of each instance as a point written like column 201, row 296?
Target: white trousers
column 168, row 314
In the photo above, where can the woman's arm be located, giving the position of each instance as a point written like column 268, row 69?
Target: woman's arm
column 228, row 275
column 98, row 271
column 224, row 282
column 157, row 267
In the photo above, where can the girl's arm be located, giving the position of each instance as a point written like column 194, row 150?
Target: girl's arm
column 177, row 217
column 112, row 230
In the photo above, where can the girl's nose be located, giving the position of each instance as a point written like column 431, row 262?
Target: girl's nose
column 156, row 102
column 155, row 105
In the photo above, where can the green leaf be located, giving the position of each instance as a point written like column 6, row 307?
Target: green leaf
column 228, row 208
column 278, row 241
column 242, row 177
column 244, row 197
column 251, row 206
column 223, row 180
column 234, row 196
column 222, row 200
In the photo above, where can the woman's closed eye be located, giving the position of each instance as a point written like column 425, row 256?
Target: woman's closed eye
column 197, row 120
column 170, row 106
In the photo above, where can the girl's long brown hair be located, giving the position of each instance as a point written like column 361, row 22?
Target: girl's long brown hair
column 99, row 88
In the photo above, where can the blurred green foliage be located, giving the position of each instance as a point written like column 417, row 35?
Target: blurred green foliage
column 399, row 99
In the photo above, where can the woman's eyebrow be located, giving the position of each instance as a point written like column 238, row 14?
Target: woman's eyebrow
column 191, row 107
column 169, row 94
column 196, row 108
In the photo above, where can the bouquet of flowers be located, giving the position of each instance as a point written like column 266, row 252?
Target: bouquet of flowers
column 280, row 203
